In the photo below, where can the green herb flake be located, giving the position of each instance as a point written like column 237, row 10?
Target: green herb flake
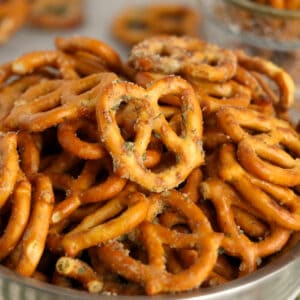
column 221, row 250
column 81, row 270
column 129, row 146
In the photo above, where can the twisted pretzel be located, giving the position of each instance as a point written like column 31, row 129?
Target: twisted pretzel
column 21, row 202
column 254, row 149
column 34, row 238
column 13, row 14
column 138, row 23
column 97, row 228
column 235, row 242
column 154, row 276
column 128, row 156
column 277, row 204
column 52, row 102
column 84, row 189
column 29, row 62
column 185, row 55
column 101, row 50
column 77, row 269
column 56, row 14
column 9, row 165
column 278, row 75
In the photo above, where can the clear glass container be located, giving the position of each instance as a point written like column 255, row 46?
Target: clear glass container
column 259, row 29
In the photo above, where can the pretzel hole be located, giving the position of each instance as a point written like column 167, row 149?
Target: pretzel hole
column 137, row 25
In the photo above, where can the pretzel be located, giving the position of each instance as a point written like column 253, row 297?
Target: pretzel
column 282, row 79
column 84, row 189
column 77, row 269
column 9, row 165
column 128, row 156
column 270, row 200
column 52, row 102
column 10, row 93
column 29, row 146
column 34, row 238
column 101, row 50
column 13, row 14
column 31, row 61
column 138, row 23
column 212, row 96
column 67, row 136
column 235, row 242
column 56, row 14
column 253, row 149
column 21, row 202
column 154, row 276
column 97, row 228
column 185, row 55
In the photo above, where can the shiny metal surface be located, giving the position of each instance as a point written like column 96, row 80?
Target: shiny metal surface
column 280, row 280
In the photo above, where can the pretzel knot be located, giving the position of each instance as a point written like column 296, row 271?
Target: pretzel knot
column 55, row 101
column 185, row 55
column 128, row 156
column 272, row 154
column 154, row 276
column 277, row 204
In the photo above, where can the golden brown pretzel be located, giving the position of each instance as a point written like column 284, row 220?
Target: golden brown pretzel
column 34, row 237
column 85, row 189
column 138, row 23
column 277, row 204
column 79, row 270
column 21, row 203
column 236, row 242
column 13, row 14
column 30, row 62
column 55, row 101
column 184, row 55
column 101, row 50
column 275, row 73
column 9, row 165
column 128, row 156
column 106, row 223
column 56, row 14
column 70, row 141
column 154, row 276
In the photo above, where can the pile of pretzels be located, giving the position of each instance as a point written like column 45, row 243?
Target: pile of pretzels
column 176, row 170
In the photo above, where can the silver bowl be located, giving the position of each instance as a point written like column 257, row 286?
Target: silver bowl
column 278, row 280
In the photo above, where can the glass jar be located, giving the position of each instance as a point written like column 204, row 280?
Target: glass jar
column 259, row 29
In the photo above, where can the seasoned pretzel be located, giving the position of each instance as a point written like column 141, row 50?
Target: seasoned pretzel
column 9, row 165
column 128, row 156
column 185, row 55
column 10, row 93
column 154, row 276
column 138, row 23
column 79, row 270
column 212, row 96
column 21, row 202
column 275, row 73
column 235, row 242
column 69, row 140
column 109, row 57
column 34, row 238
column 31, row 61
column 13, row 14
column 277, row 204
column 29, row 146
column 97, row 228
column 280, row 168
column 56, row 14
column 85, row 189
column 55, row 101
